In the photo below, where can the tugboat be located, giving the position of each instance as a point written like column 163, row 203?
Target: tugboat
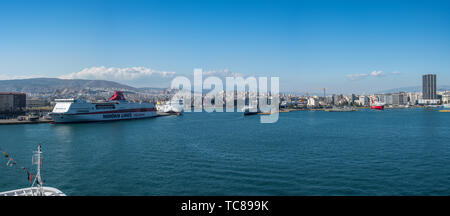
column 39, row 189
column 249, row 110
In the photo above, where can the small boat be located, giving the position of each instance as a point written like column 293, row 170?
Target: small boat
column 250, row 110
column 39, row 189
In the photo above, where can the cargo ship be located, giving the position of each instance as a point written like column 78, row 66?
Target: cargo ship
column 377, row 105
column 116, row 108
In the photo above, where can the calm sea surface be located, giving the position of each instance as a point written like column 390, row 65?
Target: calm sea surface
column 393, row 152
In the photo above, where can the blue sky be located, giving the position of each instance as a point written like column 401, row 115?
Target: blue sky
column 345, row 46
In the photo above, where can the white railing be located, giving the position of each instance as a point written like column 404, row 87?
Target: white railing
column 33, row 191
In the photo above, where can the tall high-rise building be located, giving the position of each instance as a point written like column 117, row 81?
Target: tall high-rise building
column 429, row 96
column 429, row 87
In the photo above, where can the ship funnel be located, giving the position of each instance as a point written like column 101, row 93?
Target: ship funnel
column 118, row 95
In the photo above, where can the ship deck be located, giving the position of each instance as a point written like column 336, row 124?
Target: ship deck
column 32, row 191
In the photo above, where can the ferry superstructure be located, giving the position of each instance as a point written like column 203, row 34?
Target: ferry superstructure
column 116, row 108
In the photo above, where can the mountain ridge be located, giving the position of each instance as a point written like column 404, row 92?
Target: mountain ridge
column 33, row 85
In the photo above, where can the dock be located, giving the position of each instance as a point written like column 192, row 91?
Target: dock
column 340, row 110
column 15, row 121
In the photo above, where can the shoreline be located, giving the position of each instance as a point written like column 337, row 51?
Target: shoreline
column 15, row 121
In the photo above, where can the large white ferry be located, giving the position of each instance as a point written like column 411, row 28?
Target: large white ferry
column 116, row 108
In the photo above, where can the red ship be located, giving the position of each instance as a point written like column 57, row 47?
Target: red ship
column 377, row 105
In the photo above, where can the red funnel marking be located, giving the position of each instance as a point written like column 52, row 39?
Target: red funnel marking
column 118, row 95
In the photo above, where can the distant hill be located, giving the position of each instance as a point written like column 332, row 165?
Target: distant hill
column 55, row 86
column 48, row 85
column 52, row 84
column 151, row 89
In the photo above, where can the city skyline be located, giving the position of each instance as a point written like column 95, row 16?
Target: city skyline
column 362, row 48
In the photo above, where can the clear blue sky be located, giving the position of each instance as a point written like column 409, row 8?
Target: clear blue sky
column 308, row 44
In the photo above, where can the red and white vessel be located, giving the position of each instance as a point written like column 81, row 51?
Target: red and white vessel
column 377, row 105
column 116, row 108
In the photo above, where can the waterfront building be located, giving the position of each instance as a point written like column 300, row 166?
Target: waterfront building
column 385, row 98
column 446, row 97
column 36, row 102
column 338, row 99
column 330, row 100
column 312, row 102
column 364, row 100
column 399, row 99
column 381, row 98
column 396, row 99
column 353, row 98
column 429, row 86
column 12, row 104
column 414, row 97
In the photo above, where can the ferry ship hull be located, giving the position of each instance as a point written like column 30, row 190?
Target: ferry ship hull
column 377, row 107
column 96, row 117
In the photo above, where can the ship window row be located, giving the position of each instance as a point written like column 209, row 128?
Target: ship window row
column 82, row 111
column 99, row 107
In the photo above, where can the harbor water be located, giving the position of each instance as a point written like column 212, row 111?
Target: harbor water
column 390, row 152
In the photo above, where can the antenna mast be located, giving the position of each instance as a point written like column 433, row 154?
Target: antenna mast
column 37, row 160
